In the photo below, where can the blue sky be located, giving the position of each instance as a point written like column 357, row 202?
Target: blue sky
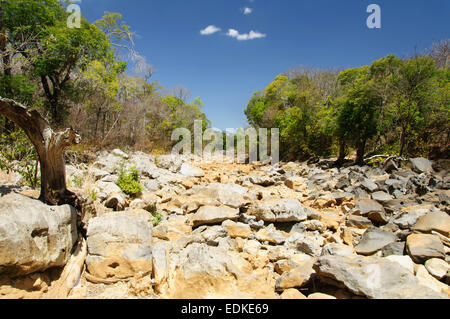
column 225, row 71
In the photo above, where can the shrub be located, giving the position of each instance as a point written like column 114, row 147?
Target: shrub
column 17, row 154
column 93, row 194
column 129, row 181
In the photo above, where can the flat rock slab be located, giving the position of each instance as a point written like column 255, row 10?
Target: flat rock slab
column 369, row 207
column 297, row 277
column 34, row 236
column 191, row 171
column 437, row 221
column 373, row 240
column 213, row 215
column 422, row 247
column 421, row 165
column 119, row 245
column 409, row 216
column 373, row 277
column 279, row 210
column 438, row 268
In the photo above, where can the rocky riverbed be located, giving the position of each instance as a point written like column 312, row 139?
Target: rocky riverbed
column 227, row 230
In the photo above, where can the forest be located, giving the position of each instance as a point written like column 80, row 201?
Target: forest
column 90, row 79
column 396, row 106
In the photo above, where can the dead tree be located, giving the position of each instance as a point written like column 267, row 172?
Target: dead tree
column 50, row 146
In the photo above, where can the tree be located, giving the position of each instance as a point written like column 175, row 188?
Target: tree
column 49, row 145
column 359, row 110
column 37, row 30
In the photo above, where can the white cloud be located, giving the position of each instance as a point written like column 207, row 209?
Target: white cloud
column 248, row 11
column 245, row 36
column 209, row 30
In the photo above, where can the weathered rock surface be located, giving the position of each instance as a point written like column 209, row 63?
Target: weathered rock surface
column 373, row 240
column 213, row 272
column 33, row 236
column 422, row 247
column 228, row 230
column 421, row 165
column 279, row 210
column 119, row 245
column 437, row 221
column 373, row 277
column 191, row 171
column 213, row 215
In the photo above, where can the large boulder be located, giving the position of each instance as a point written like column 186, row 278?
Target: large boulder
column 213, row 215
column 217, row 194
column 372, row 209
column 422, row 247
column 373, row 240
column 279, row 210
column 200, row 271
column 421, row 165
column 191, row 171
column 33, row 236
column 437, row 221
column 373, row 277
column 409, row 216
column 119, row 245
column 170, row 162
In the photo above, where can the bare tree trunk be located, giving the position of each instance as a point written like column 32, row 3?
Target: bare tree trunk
column 50, row 146
column 360, row 152
column 342, row 154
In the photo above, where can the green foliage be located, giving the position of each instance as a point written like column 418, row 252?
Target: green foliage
column 93, row 194
column 394, row 106
column 38, row 33
column 17, row 154
column 78, row 181
column 157, row 216
column 129, row 181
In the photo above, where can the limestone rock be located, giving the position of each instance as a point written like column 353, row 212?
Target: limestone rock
column 396, row 249
column 429, row 281
column 373, row 240
column 437, row 221
column 422, row 247
column 373, row 277
column 296, row 278
column 213, row 215
column 438, row 268
column 271, row 234
column 115, row 201
column 191, row 171
column 409, row 216
column 34, row 236
column 335, row 249
column 216, row 194
column 279, row 210
column 204, row 272
column 119, row 245
column 404, row 261
column 360, row 222
column 160, row 257
column 235, row 230
column 292, row 294
column 320, row 296
column 421, row 165
column 169, row 162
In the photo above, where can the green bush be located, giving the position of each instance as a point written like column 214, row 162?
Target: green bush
column 157, row 218
column 93, row 194
column 17, row 154
column 129, row 182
